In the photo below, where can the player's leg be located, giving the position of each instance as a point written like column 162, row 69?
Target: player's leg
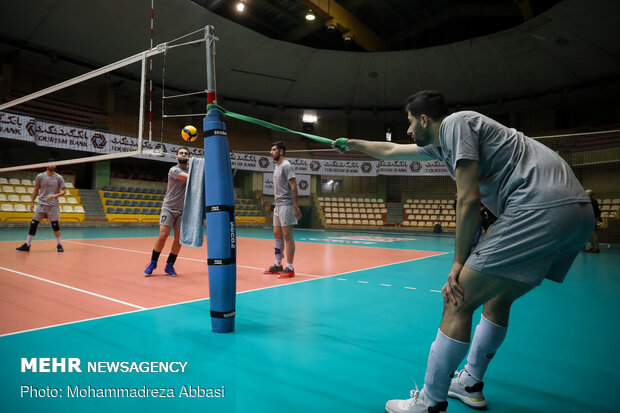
column 53, row 215
column 276, row 268
column 594, row 247
column 32, row 230
column 175, row 249
column 452, row 340
column 289, row 241
column 56, row 228
column 489, row 334
column 164, row 232
column 288, row 221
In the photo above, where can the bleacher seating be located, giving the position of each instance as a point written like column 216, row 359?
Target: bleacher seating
column 15, row 196
column 353, row 211
column 128, row 203
column 424, row 214
column 610, row 209
column 247, row 212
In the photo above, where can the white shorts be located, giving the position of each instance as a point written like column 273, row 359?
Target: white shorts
column 284, row 216
column 531, row 245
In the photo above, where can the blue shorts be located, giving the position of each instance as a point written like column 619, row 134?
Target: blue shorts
column 531, row 245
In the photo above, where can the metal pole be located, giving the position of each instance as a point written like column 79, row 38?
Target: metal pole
column 141, row 115
column 210, row 47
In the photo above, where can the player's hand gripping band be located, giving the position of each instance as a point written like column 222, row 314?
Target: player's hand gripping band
column 340, row 145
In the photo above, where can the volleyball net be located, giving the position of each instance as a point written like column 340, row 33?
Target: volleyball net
column 113, row 112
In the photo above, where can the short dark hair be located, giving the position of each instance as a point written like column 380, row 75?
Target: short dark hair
column 279, row 145
column 429, row 102
column 183, row 147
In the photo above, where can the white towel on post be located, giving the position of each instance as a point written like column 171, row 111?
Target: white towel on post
column 192, row 223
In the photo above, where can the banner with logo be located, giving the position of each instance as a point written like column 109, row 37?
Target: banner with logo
column 68, row 137
column 16, row 126
column 416, row 168
column 303, row 184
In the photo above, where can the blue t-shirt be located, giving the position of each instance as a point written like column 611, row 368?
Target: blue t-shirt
column 515, row 172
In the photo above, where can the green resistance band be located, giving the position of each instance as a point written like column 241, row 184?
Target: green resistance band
column 339, row 142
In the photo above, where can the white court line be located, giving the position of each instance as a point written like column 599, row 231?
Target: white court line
column 411, row 288
column 338, row 275
column 436, row 291
column 207, row 298
column 386, row 285
column 73, row 288
column 178, row 258
column 363, row 282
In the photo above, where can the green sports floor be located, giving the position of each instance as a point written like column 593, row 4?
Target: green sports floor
column 343, row 343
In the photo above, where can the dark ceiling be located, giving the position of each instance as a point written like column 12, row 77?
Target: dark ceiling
column 566, row 55
column 401, row 24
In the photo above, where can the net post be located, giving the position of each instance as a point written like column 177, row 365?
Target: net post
column 210, row 55
column 219, row 207
column 141, row 115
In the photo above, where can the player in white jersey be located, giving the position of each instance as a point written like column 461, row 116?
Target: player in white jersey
column 49, row 186
column 171, row 214
column 286, row 212
column 544, row 219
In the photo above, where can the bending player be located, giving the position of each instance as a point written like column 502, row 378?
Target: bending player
column 171, row 214
column 49, row 186
column 544, row 219
column 286, row 212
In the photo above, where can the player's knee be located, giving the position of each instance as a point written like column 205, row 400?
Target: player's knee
column 461, row 309
column 33, row 227
column 55, row 226
column 164, row 231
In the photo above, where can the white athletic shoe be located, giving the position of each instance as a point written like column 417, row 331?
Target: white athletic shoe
column 416, row 404
column 470, row 395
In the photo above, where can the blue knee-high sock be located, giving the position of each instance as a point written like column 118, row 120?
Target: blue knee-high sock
column 487, row 339
column 445, row 356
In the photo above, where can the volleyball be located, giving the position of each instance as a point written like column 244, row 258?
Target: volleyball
column 189, row 133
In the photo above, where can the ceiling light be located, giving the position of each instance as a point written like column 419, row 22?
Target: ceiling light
column 307, row 118
column 310, row 15
column 240, row 6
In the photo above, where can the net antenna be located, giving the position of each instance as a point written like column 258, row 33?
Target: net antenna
column 139, row 57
